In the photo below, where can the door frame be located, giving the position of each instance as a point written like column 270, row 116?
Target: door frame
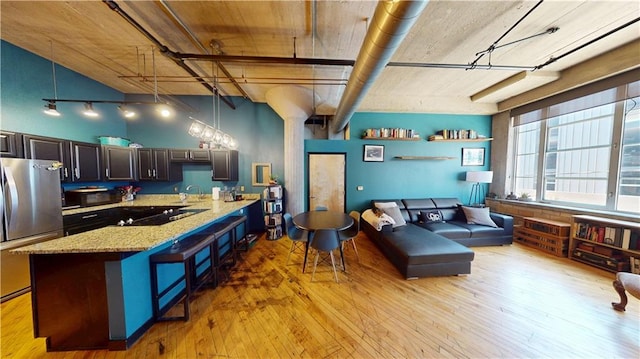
column 308, row 182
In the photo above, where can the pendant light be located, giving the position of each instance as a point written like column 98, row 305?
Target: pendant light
column 89, row 111
column 50, row 108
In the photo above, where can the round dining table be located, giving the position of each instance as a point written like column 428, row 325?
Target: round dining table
column 314, row 220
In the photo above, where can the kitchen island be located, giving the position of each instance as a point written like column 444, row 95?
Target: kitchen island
column 93, row 289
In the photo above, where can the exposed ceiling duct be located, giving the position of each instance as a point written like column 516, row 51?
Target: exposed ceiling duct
column 391, row 22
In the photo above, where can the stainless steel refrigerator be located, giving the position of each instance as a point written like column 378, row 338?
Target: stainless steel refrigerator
column 31, row 212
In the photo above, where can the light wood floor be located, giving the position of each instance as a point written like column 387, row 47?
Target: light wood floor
column 516, row 303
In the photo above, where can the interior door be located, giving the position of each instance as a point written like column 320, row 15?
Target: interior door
column 327, row 181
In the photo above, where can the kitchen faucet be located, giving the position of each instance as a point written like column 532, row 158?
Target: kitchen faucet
column 200, row 195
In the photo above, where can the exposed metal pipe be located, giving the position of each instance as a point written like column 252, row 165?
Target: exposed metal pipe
column 390, row 24
column 266, row 59
column 163, row 49
column 195, row 40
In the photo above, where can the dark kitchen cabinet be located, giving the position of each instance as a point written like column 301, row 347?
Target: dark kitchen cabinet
column 81, row 161
column 225, row 165
column 189, row 155
column 119, row 163
column 47, row 148
column 154, row 165
column 11, row 144
column 85, row 162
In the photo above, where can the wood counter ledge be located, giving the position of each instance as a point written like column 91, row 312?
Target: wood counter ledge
column 138, row 238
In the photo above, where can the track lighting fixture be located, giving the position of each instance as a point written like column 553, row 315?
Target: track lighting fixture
column 127, row 112
column 51, row 109
column 89, row 111
column 124, row 107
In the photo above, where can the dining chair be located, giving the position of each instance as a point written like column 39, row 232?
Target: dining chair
column 325, row 240
column 298, row 237
column 350, row 234
column 321, row 208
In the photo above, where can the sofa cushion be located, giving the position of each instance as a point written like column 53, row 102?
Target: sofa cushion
column 415, row 206
column 451, row 229
column 392, row 209
column 448, row 207
column 477, row 215
column 480, row 231
column 428, row 216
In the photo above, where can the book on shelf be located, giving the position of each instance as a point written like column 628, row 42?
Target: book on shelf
column 634, row 265
column 457, row 134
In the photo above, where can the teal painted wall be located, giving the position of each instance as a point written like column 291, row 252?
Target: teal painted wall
column 26, row 79
column 396, row 178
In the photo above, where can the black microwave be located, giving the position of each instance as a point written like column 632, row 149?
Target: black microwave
column 89, row 197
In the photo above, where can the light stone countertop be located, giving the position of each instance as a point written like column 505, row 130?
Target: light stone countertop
column 139, row 238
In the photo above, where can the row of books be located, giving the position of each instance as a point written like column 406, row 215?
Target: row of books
column 624, row 238
column 272, row 192
column 273, row 220
column 454, row 135
column 635, row 265
column 273, row 207
column 612, row 261
column 390, row 133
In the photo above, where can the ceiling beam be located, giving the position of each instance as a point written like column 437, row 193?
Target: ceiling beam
column 618, row 60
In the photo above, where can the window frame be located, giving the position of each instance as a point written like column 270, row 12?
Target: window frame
column 615, row 157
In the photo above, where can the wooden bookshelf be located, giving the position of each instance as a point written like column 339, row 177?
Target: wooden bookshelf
column 544, row 234
column 433, row 158
column 605, row 243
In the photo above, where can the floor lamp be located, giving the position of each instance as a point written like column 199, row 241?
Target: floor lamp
column 477, row 190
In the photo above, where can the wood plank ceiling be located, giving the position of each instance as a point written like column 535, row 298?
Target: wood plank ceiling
column 90, row 38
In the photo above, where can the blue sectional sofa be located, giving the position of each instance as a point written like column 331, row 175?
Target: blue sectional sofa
column 435, row 248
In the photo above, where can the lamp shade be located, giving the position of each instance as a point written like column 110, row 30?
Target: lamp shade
column 479, row 176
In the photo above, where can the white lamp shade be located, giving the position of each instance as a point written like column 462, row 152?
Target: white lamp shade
column 479, row 176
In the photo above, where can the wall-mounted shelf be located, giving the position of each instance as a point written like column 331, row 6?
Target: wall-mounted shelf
column 392, row 138
column 433, row 158
column 465, row 140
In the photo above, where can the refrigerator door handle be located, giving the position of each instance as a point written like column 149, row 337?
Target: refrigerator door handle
column 13, row 194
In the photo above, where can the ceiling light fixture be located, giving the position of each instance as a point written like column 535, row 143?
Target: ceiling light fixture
column 51, row 108
column 127, row 112
column 213, row 135
column 89, row 111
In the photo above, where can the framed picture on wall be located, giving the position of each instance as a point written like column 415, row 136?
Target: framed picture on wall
column 373, row 153
column 473, row 156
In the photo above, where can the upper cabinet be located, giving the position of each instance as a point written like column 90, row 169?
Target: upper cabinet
column 81, row 161
column 85, row 162
column 189, row 155
column 46, row 148
column 10, row 144
column 119, row 163
column 154, row 165
column 225, row 165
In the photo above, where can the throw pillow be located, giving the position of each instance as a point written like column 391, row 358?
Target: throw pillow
column 479, row 216
column 431, row 216
column 391, row 208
